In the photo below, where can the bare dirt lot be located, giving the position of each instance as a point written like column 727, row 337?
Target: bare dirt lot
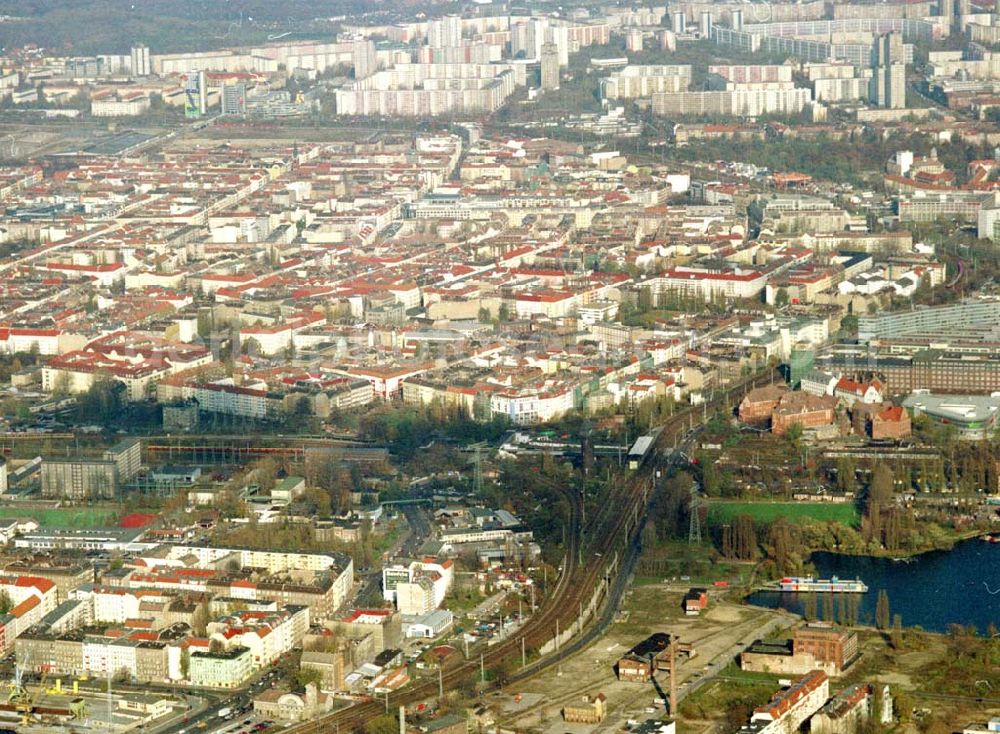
column 645, row 610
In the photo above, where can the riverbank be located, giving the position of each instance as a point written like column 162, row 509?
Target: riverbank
column 948, row 542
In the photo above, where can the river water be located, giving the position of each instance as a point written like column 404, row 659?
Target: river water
column 932, row 590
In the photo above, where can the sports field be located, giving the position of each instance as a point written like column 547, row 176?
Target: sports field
column 765, row 512
column 66, row 517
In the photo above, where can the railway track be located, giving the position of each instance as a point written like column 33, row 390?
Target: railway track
column 536, row 632
column 584, row 570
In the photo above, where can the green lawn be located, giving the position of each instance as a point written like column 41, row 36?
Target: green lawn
column 764, row 512
column 75, row 517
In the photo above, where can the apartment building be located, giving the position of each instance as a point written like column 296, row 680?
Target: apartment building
column 842, row 39
column 753, row 73
column 136, row 362
column 331, row 666
column 841, row 90
column 267, row 635
column 140, row 64
column 530, row 405
column 960, row 319
column 428, row 89
column 788, row 709
column 32, row 598
column 126, row 106
column 363, row 58
column 383, row 624
column 81, row 479
column 888, row 86
column 789, row 100
column 322, row 596
column 228, row 669
column 850, row 709
column 707, row 284
column 138, row 655
column 550, row 66
column 59, row 654
column 66, row 574
column 424, row 581
column 637, row 80
column 77, row 372
column 69, row 615
column 924, row 206
column 111, row 605
column 426, row 390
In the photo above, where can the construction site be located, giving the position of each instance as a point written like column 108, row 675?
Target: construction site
column 81, row 705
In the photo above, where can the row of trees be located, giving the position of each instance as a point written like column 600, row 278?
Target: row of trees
column 841, row 609
column 408, row 428
column 967, row 466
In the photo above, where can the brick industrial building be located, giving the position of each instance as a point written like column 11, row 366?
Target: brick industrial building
column 814, row 647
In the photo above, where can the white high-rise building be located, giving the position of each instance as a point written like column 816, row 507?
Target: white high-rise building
column 521, row 43
column 363, row 58
column 559, row 36
column 705, row 25
column 141, row 64
column 888, row 85
column 445, row 32
column 550, row 66
column 529, row 35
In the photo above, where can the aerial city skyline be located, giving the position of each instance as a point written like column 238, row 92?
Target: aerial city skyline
column 500, row 367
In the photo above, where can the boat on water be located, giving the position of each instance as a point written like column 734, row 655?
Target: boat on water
column 831, row 585
column 992, row 537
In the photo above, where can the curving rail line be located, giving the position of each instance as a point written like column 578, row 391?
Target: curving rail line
column 611, row 532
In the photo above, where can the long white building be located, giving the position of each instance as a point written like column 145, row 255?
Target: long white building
column 734, row 102
column 418, row 90
column 638, row 80
column 708, row 284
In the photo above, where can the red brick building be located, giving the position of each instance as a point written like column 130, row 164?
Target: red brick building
column 636, row 666
column 757, row 405
column 892, row 422
column 861, row 416
column 826, row 645
column 695, row 601
column 803, row 409
column 635, row 669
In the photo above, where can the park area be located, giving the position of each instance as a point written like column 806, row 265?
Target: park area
column 721, row 512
